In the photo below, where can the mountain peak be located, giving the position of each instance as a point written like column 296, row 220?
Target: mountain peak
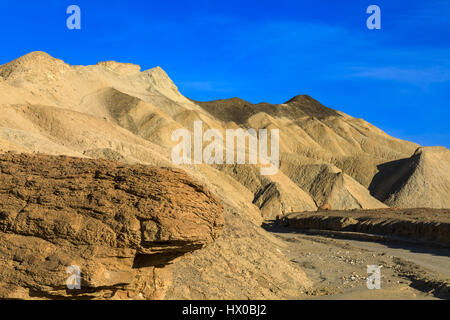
column 311, row 106
column 157, row 72
column 35, row 57
column 301, row 98
column 34, row 62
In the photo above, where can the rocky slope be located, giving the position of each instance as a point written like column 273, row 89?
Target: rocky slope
column 44, row 101
column 423, row 180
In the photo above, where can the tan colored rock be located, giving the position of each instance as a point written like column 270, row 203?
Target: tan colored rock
column 116, row 222
column 327, row 184
column 274, row 195
column 421, row 181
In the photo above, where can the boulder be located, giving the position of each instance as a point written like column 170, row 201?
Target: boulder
column 117, row 226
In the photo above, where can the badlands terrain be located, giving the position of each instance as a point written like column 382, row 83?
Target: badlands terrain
column 86, row 179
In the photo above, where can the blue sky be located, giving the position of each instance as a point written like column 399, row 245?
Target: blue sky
column 397, row 78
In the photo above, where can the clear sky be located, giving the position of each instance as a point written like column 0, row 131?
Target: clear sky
column 397, row 78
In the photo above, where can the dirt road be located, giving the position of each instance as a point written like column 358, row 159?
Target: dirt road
column 338, row 267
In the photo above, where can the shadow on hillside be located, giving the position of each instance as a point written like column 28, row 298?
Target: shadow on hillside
column 392, row 176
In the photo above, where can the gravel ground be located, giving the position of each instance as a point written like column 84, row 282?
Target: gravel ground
column 338, row 267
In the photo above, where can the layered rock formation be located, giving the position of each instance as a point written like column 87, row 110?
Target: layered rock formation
column 431, row 226
column 121, row 225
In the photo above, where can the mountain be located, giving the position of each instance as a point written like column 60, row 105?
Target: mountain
column 117, row 112
column 421, row 181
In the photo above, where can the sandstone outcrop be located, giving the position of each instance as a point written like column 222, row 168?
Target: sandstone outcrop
column 121, row 225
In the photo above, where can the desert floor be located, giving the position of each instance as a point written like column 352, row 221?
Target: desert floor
column 337, row 264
